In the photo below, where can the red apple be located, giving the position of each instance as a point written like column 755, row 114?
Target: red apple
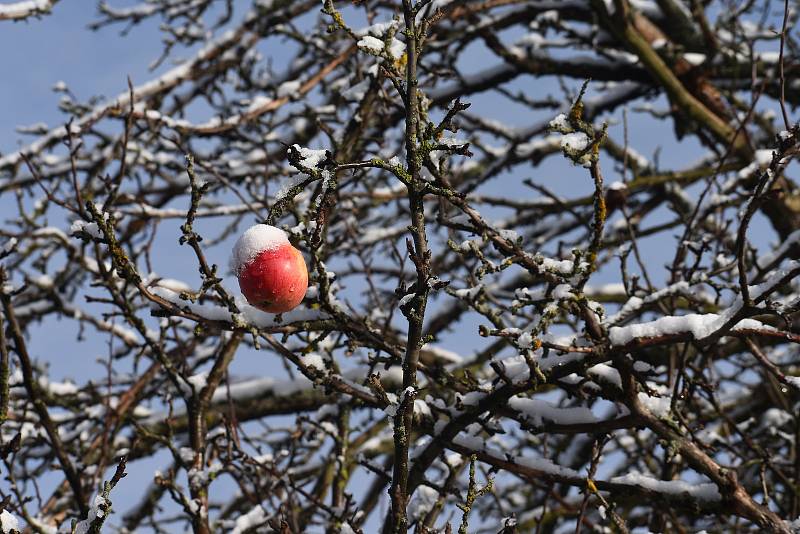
column 272, row 273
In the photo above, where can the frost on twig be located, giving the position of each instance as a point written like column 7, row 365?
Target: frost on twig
column 26, row 8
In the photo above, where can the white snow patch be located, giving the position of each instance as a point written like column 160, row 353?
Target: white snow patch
column 371, row 44
column 90, row 228
column 617, row 186
column 422, row 409
column 198, row 381
column 562, row 291
column 177, row 286
column 525, row 340
column 706, row 492
column 8, row 522
column 253, row 518
column 253, row 242
column 762, row 159
column 422, row 502
column 468, row 293
column 289, row 89
column 9, row 245
column 575, row 142
column 310, row 157
column 607, row 373
column 313, row 360
column 699, row 325
column 443, row 355
column 95, row 512
column 694, row 58
column 21, row 10
column 397, row 48
column 660, row 406
column 560, row 123
column 378, row 29
column 536, row 411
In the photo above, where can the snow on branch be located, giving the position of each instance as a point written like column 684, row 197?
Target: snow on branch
column 493, row 335
column 25, row 9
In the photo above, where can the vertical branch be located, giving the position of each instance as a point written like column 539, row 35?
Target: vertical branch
column 197, row 408
column 473, row 493
column 781, row 76
column 5, row 369
column 420, row 255
column 342, row 448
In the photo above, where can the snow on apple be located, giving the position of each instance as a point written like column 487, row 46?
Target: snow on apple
column 272, row 273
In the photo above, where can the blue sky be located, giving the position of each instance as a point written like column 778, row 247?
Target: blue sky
column 37, row 53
